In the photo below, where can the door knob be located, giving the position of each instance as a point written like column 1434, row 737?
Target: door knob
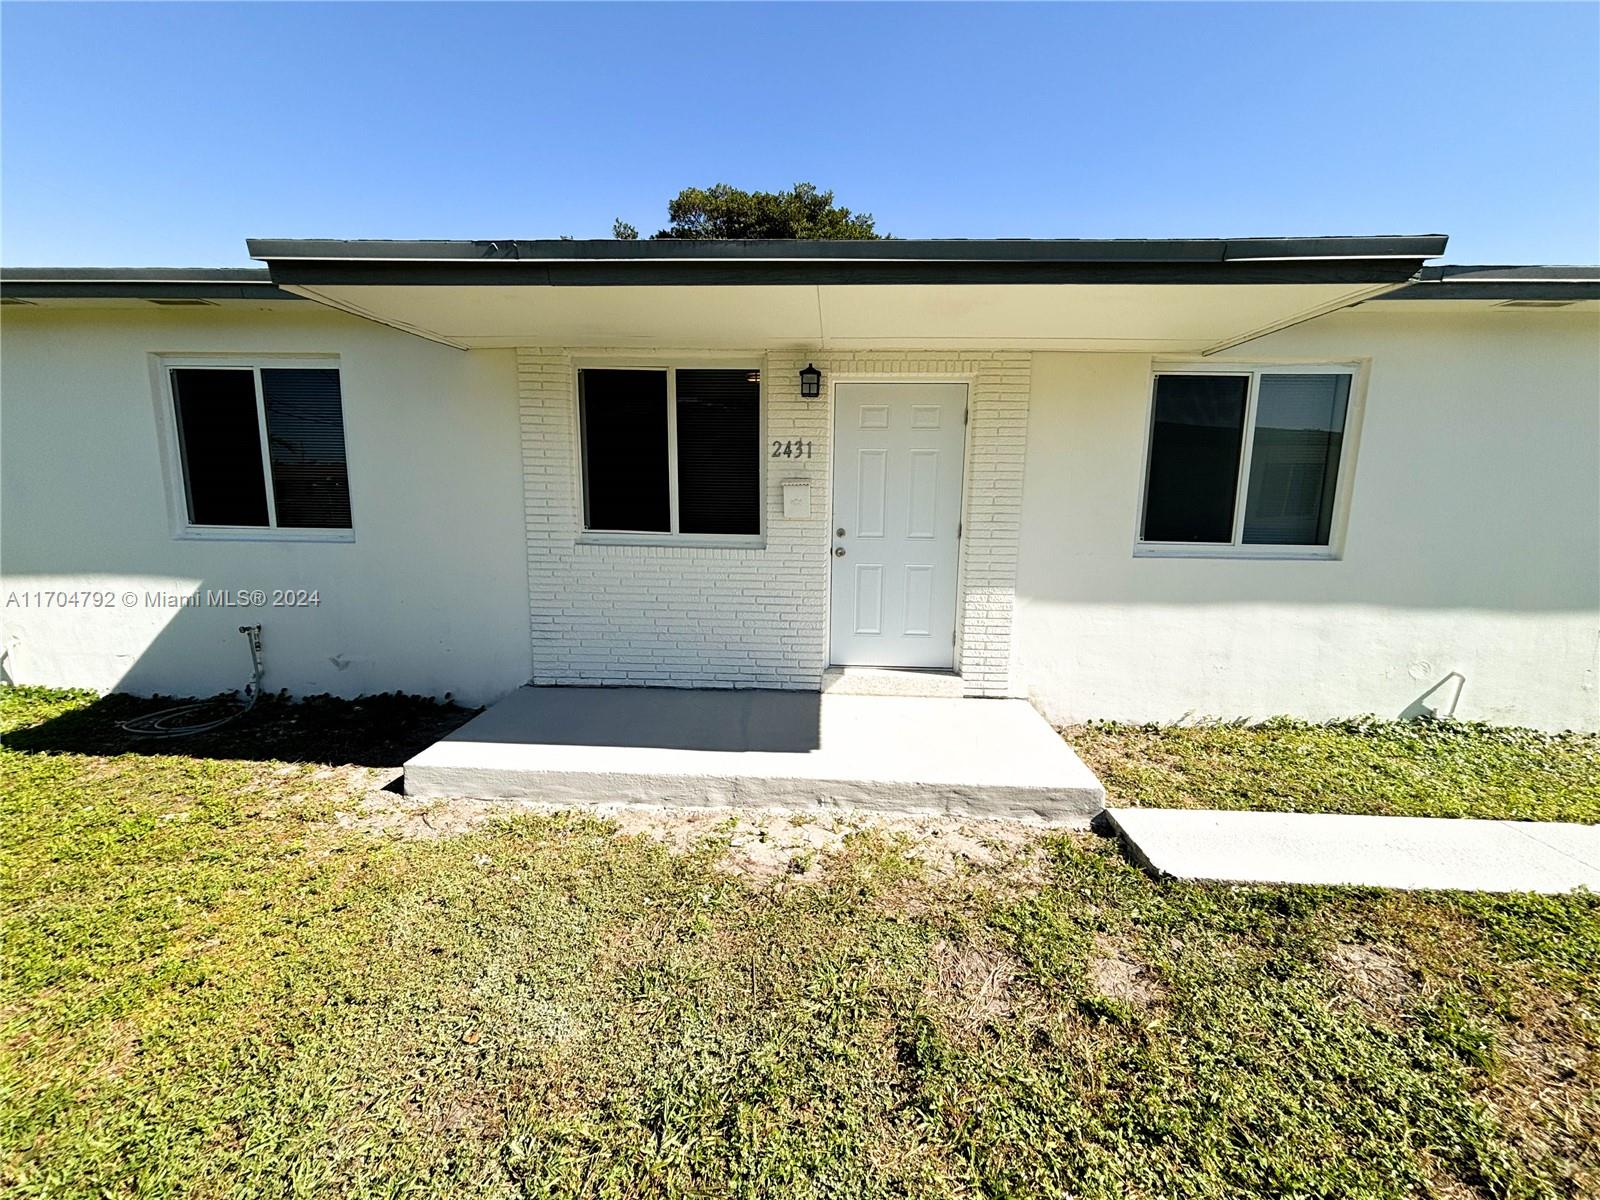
column 838, row 551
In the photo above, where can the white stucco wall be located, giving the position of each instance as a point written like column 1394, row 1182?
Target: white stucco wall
column 1473, row 543
column 430, row 597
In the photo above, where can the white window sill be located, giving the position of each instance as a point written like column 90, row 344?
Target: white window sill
column 240, row 533
column 1248, row 553
column 675, row 541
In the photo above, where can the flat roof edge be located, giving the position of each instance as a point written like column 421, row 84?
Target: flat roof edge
column 747, row 273
column 140, row 283
column 942, row 250
column 1452, row 281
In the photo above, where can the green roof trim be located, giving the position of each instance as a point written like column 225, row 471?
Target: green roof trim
column 1502, row 283
column 607, row 263
column 140, row 283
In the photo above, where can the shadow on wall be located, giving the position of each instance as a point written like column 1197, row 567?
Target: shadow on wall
column 178, row 635
column 376, row 731
column 196, row 649
column 1439, row 701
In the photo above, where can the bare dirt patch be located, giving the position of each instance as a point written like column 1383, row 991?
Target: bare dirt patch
column 1547, row 1091
column 1376, row 976
column 979, row 985
column 761, row 845
column 1118, row 974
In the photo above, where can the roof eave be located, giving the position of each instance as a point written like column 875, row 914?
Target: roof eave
column 140, row 283
column 1463, row 282
column 736, row 274
column 989, row 250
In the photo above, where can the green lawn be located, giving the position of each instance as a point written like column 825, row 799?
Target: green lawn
column 1415, row 769
column 213, row 986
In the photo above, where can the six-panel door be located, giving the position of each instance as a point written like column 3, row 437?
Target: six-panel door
column 896, row 522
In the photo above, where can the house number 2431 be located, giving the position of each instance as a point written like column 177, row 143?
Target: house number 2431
column 791, row 449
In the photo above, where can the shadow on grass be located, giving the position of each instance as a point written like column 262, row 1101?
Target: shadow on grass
column 374, row 731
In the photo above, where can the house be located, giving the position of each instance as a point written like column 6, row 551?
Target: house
column 1141, row 480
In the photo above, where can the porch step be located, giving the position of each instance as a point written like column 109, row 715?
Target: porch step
column 664, row 746
column 890, row 681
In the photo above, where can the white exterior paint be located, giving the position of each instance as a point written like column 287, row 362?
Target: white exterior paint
column 1472, row 546
column 428, row 597
column 610, row 612
column 898, row 452
column 1470, row 554
column 1169, row 318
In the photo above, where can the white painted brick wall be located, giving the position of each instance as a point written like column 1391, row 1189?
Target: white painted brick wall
column 755, row 617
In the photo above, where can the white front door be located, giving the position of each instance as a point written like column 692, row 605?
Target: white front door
column 897, row 451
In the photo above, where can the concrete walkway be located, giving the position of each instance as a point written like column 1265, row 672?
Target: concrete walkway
column 1391, row 852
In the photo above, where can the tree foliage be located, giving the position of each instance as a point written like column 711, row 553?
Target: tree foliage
column 724, row 211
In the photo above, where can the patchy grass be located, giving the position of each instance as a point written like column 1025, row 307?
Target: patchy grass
column 211, row 988
column 377, row 731
column 1410, row 769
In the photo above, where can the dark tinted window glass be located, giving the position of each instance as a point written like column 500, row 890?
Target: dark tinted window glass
column 305, row 442
column 1294, row 459
column 1194, row 458
column 719, row 463
column 624, row 417
column 220, row 442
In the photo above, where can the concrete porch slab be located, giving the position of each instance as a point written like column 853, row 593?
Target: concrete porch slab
column 902, row 754
column 1391, row 852
column 890, row 681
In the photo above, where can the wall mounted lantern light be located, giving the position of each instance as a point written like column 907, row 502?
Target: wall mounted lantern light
column 810, row 382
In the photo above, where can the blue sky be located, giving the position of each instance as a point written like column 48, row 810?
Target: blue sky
column 165, row 134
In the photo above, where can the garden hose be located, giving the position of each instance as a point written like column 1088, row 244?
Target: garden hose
column 166, row 721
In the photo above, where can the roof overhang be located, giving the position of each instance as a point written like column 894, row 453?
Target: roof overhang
column 1546, row 287
column 1166, row 296
column 77, row 286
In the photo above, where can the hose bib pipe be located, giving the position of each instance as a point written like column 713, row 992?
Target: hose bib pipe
column 168, row 722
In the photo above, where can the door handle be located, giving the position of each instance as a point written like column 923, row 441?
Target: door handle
column 838, row 551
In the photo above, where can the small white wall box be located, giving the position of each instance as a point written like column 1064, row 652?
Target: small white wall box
column 796, row 498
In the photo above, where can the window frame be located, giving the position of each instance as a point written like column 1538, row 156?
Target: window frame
column 183, row 529
column 673, row 536
column 1237, row 548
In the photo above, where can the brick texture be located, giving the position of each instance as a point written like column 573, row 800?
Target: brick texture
column 744, row 616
